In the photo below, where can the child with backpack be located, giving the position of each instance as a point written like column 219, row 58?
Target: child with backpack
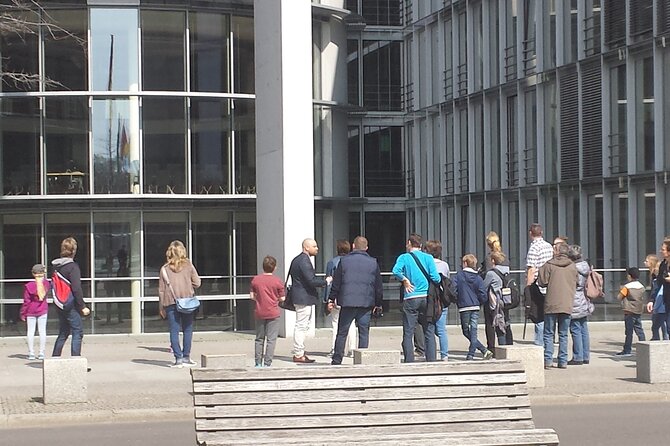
column 471, row 295
column 632, row 303
column 499, row 306
column 35, row 308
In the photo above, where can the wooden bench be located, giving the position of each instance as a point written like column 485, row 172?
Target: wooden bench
column 458, row 403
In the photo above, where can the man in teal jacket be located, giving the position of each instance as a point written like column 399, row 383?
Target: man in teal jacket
column 407, row 270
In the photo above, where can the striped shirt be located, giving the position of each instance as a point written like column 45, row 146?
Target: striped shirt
column 539, row 253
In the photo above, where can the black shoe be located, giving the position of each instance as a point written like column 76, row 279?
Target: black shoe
column 573, row 362
column 624, row 354
column 562, row 366
column 586, row 361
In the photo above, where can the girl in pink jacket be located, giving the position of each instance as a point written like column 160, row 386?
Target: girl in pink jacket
column 35, row 308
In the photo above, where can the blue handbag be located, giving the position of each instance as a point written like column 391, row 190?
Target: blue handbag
column 187, row 304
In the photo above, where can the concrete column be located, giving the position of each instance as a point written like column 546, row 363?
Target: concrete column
column 284, row 123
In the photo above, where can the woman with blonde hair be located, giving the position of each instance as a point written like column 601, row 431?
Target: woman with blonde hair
column 656, row 306
column 494, row 246
column 178, row 278
column 35, row 308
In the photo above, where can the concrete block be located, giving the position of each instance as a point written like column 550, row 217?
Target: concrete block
column 653, row 361
column 224, row 361
column 64, row 380
column 365, row 356
column 532, row 358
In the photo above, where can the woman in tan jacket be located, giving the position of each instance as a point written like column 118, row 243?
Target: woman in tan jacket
column 178, row 278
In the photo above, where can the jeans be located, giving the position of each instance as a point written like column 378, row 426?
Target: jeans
column 179, row 321
column 413, row 311
column 581, row 344
column 347, row 316
column 352, row 338
column 539, row 333
column 265, row 329
column 658, row 322
column 303, row 316
column 69, row 322
column 469, row 328
column 632, row 322
column 441, row 331
column 550, row 320
column 419, row 340
column 41, row 323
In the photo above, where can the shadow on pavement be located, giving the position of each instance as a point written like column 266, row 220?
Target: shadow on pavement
column 153, row 362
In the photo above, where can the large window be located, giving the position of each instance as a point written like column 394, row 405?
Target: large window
column 383, row 162
column 19, row 53
column 386, row 235
column 210, row 146
column 381, row 12
column 209, row 52
column 245, row 146
column 644, row 113
column 163, row 41
column 381, row 75
column 66, row 127
column 114, row 50
column 243, row 54
column 65, row 58
column 19, row 139
column 164, row 145
column 354, row 163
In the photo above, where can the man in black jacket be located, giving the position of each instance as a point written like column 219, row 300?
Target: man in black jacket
column 357, row 289
column 304, row 284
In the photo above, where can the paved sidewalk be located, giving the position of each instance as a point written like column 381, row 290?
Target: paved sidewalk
column 131, row 379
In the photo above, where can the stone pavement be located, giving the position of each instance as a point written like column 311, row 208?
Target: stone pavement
column 131, row 379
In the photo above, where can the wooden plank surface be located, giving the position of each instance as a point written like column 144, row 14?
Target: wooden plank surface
column 306, row 422
column 515, row 437
column 358, row 394
column 358, row 382
column 344, row 371
column 367, row 407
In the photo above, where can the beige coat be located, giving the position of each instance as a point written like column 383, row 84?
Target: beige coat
column 183, row 282
column 560, row 276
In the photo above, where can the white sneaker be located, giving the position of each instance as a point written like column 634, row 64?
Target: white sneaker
column 178, row 364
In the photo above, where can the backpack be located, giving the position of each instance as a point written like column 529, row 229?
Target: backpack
column 593, row 289
column 534, row 303
column 511, row 296
column 436, row 295
column 449, row 292
column 62, row 291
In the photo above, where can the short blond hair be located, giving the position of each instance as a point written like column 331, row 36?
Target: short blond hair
column 470, row 260
column 68, row 247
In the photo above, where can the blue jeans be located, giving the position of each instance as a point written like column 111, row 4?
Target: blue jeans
column 69, row 321
column 347, row 316
column 413, row 311
column 441, row 332
column 179, row 321
column 658, row 322
column 469, row 328
column 539, row 333
column 563, row 327
column 581, row 344
column 632, row 322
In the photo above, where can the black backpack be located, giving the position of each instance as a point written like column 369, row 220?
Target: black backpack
column 511, row 295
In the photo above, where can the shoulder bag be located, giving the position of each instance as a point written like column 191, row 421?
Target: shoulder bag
column 185, row 305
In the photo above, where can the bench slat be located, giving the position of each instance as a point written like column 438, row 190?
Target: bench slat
column 339, row 436
column 357, row 382
column 305, row 422
column 371, row 394
column 344, row 371
column 368, row 407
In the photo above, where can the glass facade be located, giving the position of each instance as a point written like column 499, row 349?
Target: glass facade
column 139, row 130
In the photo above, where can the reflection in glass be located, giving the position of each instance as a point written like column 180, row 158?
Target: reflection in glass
column 212, row 245
column 115, row 146
column 114, row 50
column 164, row 145
column 209, row 34
column 383, row 162
column 19, row 58
column 381, row 75
column 163, row 35
column 243, row 54
column 245, row 146
column 65, row 59
column 20, row 135
column 210, row 145
column 117, row 245
column 160, row 229
column 22, row 237
column 66, row 139
column 77, row 225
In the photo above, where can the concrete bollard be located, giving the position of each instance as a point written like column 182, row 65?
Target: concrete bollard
column 223, row 361
column 365, row 356
column 653, row 361
column 64, row 380
column 530, row 356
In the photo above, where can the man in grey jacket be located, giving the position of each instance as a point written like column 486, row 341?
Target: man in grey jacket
column 357, row 289
column 559, row 275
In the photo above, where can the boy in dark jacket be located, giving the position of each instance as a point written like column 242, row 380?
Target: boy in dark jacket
column 471, row 295
column 632, row 303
